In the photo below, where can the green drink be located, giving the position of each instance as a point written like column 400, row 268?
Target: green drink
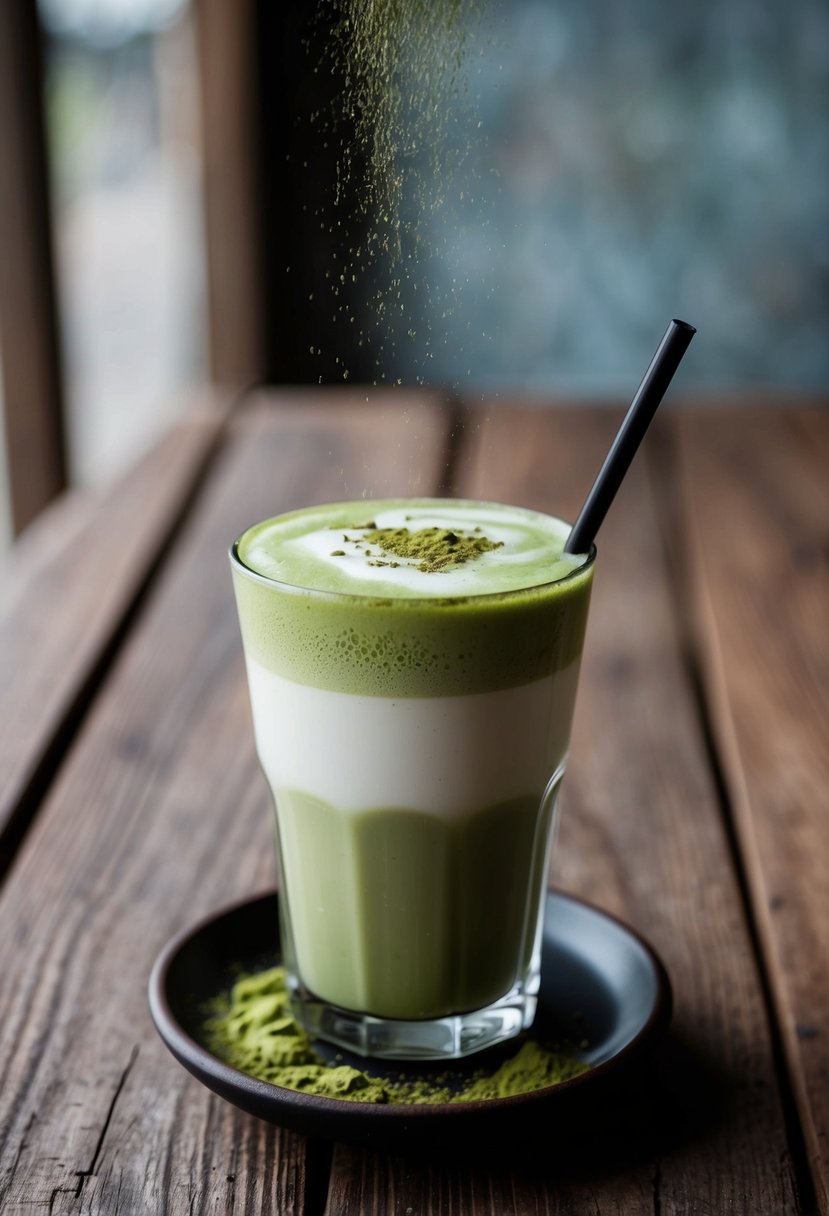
column 412, row 667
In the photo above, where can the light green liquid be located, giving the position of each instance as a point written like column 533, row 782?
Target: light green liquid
column 407, row 915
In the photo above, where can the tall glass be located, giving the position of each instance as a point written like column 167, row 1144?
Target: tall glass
column 414, row 747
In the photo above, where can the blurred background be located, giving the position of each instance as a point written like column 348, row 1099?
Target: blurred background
column 187, row 198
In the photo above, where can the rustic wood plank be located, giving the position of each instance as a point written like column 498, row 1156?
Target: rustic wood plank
column 160, row 814
column 31, row 365
column 67, row 588
column 755, row 493
column 642, row 836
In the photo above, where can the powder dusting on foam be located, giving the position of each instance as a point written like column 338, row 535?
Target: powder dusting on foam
column 346, row 548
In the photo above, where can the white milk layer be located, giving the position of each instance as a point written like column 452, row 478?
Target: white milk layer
column 444, row 755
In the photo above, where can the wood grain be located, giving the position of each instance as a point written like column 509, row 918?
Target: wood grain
column 641, row 836
column 67, row 591
column 159, row 815
column 755, row 498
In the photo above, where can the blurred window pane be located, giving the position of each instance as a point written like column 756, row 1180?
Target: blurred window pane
column 570, row 176
column 121, row 107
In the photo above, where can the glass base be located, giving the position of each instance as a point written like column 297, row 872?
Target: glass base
column 447, row 1038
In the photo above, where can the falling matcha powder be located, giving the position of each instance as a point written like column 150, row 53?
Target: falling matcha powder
column 253, row 1030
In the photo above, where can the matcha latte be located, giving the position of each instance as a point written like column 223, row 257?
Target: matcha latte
column 412, row 667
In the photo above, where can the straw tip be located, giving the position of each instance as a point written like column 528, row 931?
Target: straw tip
column 691, row 329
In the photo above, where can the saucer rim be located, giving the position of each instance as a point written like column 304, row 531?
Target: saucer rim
column 229, row 1081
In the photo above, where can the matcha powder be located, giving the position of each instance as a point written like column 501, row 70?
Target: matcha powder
column 402, row 65
column 430, row 548
column 426, row 549
column 253, row 1030
column 396, row 123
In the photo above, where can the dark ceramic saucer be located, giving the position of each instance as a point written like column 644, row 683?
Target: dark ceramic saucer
column 602, row 984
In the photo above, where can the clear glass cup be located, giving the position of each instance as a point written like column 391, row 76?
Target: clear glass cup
column 414, row 748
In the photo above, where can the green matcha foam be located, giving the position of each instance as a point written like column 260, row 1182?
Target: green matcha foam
column 411, row 597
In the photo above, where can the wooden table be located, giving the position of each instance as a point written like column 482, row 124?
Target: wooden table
column 695, row 804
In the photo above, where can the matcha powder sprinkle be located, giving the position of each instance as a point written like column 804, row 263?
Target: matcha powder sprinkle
column 402, row 66
column 253, row 1030
column 425, row 549
column 431, row 549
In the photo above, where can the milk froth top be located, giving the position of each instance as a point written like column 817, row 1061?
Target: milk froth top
column 322, row 604
column 343, row 547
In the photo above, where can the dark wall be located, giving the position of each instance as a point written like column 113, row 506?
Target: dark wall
column 307, row 231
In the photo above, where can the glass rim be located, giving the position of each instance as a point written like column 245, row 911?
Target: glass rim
column 378, row 597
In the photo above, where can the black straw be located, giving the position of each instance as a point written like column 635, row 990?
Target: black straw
column 667, row 359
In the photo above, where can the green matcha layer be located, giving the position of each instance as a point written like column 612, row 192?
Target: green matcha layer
column 378, row 599
column 408, row 915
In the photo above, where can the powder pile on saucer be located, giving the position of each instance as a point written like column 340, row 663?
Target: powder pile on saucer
column 254, row 1031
